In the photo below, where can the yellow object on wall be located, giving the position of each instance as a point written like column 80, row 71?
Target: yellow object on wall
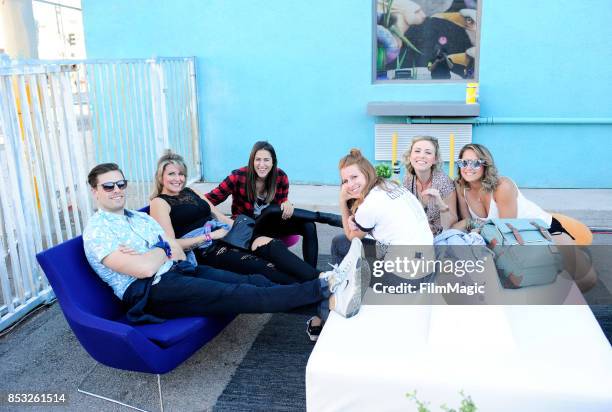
column 451, row 158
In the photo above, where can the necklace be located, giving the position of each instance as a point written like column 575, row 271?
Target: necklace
column 425, row 185
column 417, row 192
column 480, row 201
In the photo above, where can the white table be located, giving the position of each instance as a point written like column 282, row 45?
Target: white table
column 507, row 358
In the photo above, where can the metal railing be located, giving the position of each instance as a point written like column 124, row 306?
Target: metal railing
column 57, row 120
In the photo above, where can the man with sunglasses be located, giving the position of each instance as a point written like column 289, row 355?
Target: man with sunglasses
column 150, row 275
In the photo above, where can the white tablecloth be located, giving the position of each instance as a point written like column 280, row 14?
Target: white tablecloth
column 507, row 358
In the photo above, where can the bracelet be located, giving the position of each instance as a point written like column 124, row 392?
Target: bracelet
column 446, row 209
column 208, row 237
column 163, row 245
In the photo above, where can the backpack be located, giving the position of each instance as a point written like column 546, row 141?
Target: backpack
column 525, row 254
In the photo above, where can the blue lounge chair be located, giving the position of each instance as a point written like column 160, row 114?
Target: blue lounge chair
column 98, row 320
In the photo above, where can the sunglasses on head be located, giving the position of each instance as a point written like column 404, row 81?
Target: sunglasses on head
column 110, row 186
column 472, row 163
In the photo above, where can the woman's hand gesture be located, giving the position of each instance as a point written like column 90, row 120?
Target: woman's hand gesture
column 287, row 209
column 434, row 194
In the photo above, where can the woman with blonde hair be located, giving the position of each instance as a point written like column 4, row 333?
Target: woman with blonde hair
column 484, row 194
column 429, row 184
column 198, row 226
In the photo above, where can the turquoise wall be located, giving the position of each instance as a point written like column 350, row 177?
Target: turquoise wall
column 298, row 73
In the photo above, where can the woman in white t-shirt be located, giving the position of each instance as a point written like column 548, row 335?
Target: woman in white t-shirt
column 381, row 211
column 378, row 207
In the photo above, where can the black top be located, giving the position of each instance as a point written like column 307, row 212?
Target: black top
column 188, row 211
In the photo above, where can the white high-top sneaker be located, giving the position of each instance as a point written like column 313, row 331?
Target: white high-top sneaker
column 345, row 282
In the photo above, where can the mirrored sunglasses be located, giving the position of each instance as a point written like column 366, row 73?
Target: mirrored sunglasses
column 472, row 163
column 110, row 186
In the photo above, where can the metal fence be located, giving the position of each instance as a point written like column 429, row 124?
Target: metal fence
column 57, row 120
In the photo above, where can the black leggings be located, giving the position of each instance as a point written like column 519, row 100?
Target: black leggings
column 270, row 223
column 273, row 260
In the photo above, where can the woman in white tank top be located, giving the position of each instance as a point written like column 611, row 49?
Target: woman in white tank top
column 483, row 194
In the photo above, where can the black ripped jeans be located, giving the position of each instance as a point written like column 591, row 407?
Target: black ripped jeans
column 274, row 261
column 270, row 223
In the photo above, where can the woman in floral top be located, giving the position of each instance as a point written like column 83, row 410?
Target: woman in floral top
column 429, row 184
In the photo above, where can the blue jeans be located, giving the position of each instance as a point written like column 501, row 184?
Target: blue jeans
column 202, row 290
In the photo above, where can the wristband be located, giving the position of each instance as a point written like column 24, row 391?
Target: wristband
column 208, row 237
column 163, row 245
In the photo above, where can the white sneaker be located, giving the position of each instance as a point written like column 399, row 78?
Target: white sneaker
column 345, row 283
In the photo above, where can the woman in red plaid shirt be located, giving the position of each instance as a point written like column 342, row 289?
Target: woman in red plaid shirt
column 260, row 190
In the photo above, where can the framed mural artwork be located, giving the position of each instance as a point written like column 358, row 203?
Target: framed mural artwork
column 426, row 40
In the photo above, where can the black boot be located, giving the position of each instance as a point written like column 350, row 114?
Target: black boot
column 331, row 219
column 307, row 215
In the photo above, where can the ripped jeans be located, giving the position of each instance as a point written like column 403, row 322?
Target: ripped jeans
column 274, row 261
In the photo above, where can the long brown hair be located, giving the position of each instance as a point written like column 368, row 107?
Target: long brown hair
column 169, row 157
column 271, row 178
column 490, row 177
column 372, row 179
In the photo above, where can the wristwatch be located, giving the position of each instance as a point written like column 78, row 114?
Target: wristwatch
column 163, row 245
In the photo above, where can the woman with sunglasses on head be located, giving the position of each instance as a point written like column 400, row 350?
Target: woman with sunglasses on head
column 260, row 190
column 429, row 184
column 483, row 194
column 198, row 225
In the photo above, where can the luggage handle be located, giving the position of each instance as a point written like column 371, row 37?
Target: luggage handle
column 543, row 231
column 516, row 234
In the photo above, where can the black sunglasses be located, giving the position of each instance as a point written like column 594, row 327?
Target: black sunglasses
column 110, row 186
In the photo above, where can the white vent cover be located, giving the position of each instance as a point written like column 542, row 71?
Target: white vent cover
column 405, row 133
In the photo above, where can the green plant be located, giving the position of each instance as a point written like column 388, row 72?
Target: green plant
column 467, row 404
column 383, row 170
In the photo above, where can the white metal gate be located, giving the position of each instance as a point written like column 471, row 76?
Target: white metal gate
column 57, row 120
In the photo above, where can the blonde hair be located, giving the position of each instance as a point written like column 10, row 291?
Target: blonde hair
column 169, row 157
column 438, row 155
column 490, row 177
column 372, row 179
